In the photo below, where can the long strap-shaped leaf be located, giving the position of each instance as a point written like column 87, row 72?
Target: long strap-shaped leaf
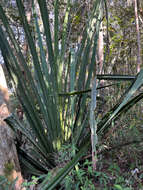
column 56, row 29
column 62, row 66
column 55, row 122
column 60, row 175
column 21, row 59
column 49, row 79
column 28, row 102
column 13, row 122
column 124, row 109
column 63, row 172
column 134, row 87
column 91, row 39
column 24, row 65
column 46, row 23
column 116, row 77
column 42, row 54
column 93, row 22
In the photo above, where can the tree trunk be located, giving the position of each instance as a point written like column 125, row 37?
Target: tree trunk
column 9, row 164
column 138, row 37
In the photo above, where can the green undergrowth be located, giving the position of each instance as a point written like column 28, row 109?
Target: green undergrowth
column 116, row 170
column 111, row 174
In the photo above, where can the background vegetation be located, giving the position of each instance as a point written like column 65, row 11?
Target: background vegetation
column 75, row 124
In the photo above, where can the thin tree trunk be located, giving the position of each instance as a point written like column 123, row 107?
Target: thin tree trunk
column 9, row 164
column 138, row 37
column 28, row 9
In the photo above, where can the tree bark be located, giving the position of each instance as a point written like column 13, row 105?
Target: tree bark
column 138, row 37
column 9, row 164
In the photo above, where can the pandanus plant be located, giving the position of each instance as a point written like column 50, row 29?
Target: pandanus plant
column 55, row 94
